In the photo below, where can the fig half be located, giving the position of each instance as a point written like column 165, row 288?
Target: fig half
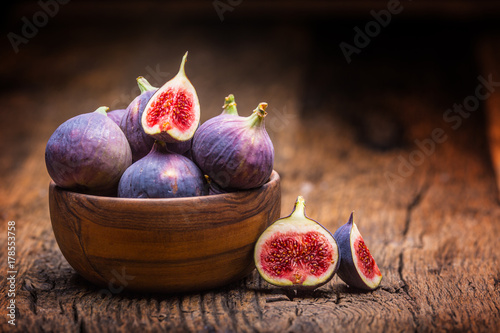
column 173, row 112
column 357, row 267
column 296, row 252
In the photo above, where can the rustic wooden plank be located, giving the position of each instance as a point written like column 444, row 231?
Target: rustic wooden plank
column 433, row 230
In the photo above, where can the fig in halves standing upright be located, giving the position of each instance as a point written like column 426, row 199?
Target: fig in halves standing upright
column 235, row 152
column 296, row 252
column 357, row 266
column 173, row 112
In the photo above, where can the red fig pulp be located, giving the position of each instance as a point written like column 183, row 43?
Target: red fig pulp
column 173, row 113
column 357, row 266
column 296, row 252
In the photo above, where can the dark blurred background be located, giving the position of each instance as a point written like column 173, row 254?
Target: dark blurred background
column 287, row 53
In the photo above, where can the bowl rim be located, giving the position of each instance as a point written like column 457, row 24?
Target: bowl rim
column 273, row 180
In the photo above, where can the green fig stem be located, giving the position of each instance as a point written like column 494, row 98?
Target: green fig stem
column 258, row 115
column 183, row 62
column 102, row 110
column 144, row 85
column 299, row 209
column 229, row 106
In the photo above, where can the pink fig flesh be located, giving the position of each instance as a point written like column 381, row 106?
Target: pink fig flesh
column 296, row 252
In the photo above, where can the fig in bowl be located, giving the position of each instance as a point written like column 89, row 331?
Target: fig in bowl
column 163, row 244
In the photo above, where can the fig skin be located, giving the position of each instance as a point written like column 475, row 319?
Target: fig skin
column 162, row 174
column 140, row 142
column 345, row 236
column 116, row 115
column 88, row 153
column 235, row 152
column 185, row 147
column 181, row 147
column 173, row 113
column 314, row 250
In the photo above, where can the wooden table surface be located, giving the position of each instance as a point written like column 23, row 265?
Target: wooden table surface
column 373, row 136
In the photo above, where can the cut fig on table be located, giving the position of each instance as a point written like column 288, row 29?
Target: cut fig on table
column 296, row 252
column 173, row 112
column 357, row 267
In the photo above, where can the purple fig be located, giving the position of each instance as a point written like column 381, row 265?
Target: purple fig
column 184, row 147
column 357, row 267
column 88, row 153
column 213, row 188
column 139, row 141
column 235, row 152
column 180, row 148
column 296, row 252
column 162, row 174
column 116, row 115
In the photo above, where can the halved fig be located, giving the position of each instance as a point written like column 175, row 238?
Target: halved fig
column 173, row 112
column 357, row 267
column 296, row 252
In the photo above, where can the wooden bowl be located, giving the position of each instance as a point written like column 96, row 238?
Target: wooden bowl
column 162, row 245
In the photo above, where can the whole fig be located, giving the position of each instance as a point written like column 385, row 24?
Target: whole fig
column 116, row 115
column 139, row 141
column 235, row 152
column 88, row 153
column 162, row 174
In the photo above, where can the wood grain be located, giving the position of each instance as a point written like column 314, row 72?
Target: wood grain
column 433, row 230
column 163, row 245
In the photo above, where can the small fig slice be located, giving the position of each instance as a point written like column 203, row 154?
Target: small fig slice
column 140, row 142
column 235, row 152
column 357, row 267
column 162, row 174
column 88, row 153
column 296, row 252
column 173, row 113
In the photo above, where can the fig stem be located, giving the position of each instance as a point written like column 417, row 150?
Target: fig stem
column 299, row 209
column 144, row 85
column 229, row 106
column 183, row 62
column 258, row 115
column 102, row 110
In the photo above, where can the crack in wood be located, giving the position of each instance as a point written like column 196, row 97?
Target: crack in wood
column 417, row 199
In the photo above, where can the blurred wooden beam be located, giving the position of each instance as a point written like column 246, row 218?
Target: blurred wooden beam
column 489, row 51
